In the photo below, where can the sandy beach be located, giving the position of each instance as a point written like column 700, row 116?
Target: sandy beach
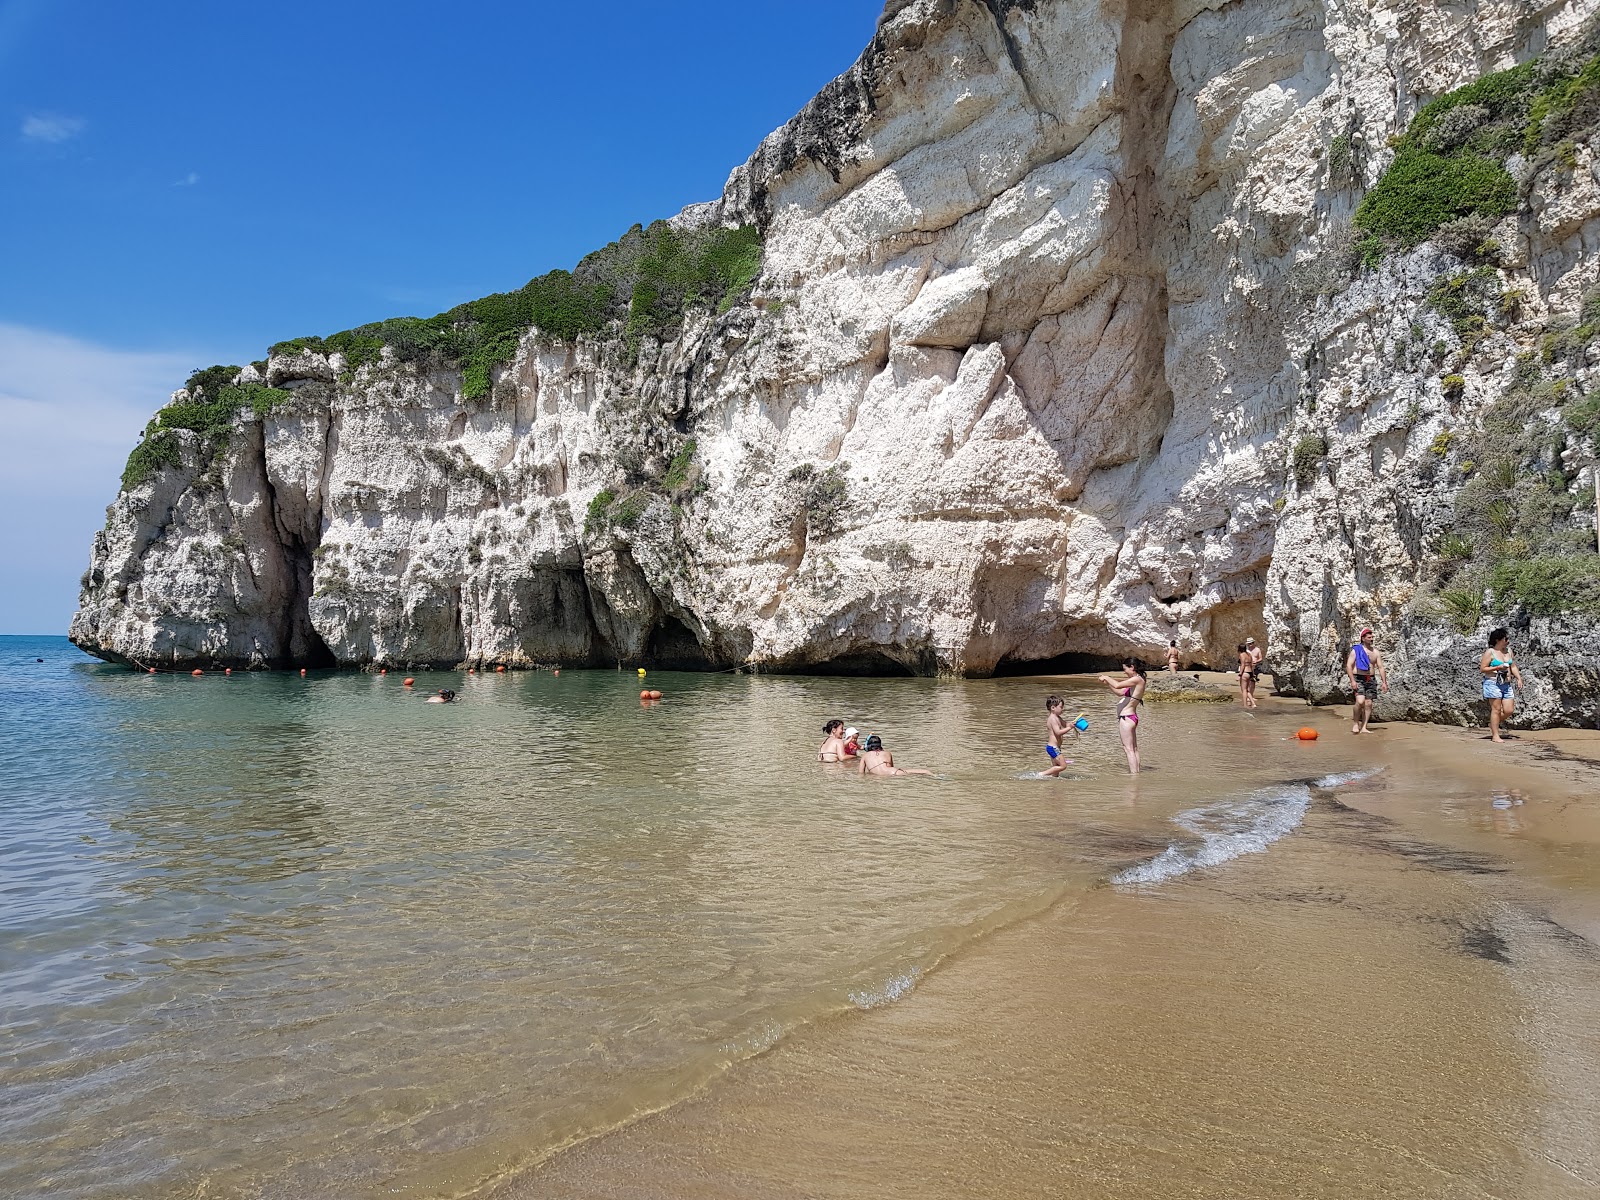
column 1395, row 999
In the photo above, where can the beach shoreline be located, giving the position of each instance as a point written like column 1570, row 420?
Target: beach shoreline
column 898, row 1097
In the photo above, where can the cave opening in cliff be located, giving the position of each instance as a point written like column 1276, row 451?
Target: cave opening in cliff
column 862, row 662
column 317, row 656
column 673, row 646
column 1061, row 664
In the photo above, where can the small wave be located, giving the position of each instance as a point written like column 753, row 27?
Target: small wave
column 1341, row 778
column 758, row 1041
column 1225, row 831
column 888, row 992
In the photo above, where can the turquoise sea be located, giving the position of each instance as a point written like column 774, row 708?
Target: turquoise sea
column 272, row 936
column 265, row 935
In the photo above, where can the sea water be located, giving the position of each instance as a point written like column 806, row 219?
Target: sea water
column 265, row 935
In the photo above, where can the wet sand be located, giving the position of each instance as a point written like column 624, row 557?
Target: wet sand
column 1395, row 999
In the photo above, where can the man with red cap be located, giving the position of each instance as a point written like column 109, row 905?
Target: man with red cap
column 1363, row 666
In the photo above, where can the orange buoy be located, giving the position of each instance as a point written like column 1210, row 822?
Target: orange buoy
column 383, row 670
column 227, row 670
column 197, row 671
column 644, row 695
column 151, row 670
column 302, row 672
column 500, row 670
column 410, row 682
column 557, row 671
column 472, row 670
column 1307, row 734
column 655, row 695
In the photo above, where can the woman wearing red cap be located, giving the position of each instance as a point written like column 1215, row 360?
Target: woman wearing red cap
column 1363, row 666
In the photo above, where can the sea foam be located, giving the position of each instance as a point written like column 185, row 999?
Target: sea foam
column 1225, row 831
column 1235, row 827
column 889, row 991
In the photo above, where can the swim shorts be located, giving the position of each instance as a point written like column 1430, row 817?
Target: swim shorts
column 1052, row 752
column 1494, row 689
column 1367, row 685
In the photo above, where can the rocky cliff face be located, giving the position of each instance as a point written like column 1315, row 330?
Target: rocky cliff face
column 1021, row 377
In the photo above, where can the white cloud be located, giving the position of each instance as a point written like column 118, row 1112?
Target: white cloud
column 70, row 411
column 51, row 127
column 188, row 180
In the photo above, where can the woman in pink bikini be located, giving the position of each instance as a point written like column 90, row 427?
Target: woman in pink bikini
column 1130, row 692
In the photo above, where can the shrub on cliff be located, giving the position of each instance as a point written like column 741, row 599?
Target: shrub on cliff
column 1450, row 163
column 683, row 270
column 824, row 496
column 647, row 279
column 1521, row 532
column 1421, row 191
column 1308, row 455
column 683, row 473
column 213, row 405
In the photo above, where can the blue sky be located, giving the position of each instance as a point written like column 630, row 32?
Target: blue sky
column 184, row 183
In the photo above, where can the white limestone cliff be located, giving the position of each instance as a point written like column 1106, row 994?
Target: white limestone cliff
column 1018, row 380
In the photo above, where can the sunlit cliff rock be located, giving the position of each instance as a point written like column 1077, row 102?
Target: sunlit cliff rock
column 1061, row 344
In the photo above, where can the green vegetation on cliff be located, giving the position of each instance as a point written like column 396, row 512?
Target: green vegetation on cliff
column 1451, row 162
column 647, row 280
column 212, row 404
column 1514, row 539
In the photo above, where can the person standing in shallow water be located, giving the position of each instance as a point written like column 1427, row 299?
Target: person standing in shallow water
column 1055, row 731
column 1363, row 666
column 1499, row 668
column 1130, row 692
column 1244, row 667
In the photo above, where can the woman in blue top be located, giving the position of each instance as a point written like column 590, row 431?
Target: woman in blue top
column 1499, row 668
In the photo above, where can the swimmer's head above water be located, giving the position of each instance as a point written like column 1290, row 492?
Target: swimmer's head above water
column 833, row 727
column 874, row 742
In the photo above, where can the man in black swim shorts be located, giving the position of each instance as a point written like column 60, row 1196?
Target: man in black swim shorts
column 1363, row 666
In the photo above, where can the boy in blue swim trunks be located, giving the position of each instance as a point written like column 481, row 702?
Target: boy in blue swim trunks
column 1055, row 730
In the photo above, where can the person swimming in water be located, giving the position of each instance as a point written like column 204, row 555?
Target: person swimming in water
column 1055, row 729
column 875, row 760
column 1130, row 692
column 832, row 750
column 445, row 696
